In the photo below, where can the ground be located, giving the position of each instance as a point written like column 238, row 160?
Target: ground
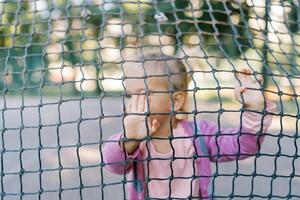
column 69, row 134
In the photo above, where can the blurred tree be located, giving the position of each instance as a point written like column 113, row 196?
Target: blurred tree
column 294, row 27
column 76, row 29
column 217, row 23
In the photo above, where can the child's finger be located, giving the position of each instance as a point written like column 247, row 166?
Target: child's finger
column 242, row 89
column 236, row 82
column 147, row 103
column 240, row 74
column 246, row 71
column 128, row 107
column 245, row 77
column 238, row 93
column 243, row 73
column 141, row 103
column 239, row 79
column 124, row 108
column 260, row 78
column 134, row 103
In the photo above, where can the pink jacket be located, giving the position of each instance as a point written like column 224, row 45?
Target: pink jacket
column 212, row 144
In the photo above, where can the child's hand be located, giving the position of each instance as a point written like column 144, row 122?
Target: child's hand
column 250, row 89
column 135, row 125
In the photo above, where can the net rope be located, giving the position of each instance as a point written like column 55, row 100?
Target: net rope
column 62, row 82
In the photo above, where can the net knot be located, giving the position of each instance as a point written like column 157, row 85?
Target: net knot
column 160, row 17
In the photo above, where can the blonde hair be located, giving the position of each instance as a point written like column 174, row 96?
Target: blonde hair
column 159, row 65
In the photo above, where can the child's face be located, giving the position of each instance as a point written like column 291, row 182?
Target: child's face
column 158, row 97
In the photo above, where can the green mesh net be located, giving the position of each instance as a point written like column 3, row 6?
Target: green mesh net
column 62, row 89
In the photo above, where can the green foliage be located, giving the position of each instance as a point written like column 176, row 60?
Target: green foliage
column 213, row 25
column 294, row 17
column 26, row 30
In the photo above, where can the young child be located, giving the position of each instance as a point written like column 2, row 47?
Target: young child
column 165, row 157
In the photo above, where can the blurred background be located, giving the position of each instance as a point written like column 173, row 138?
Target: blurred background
column 61, row 86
